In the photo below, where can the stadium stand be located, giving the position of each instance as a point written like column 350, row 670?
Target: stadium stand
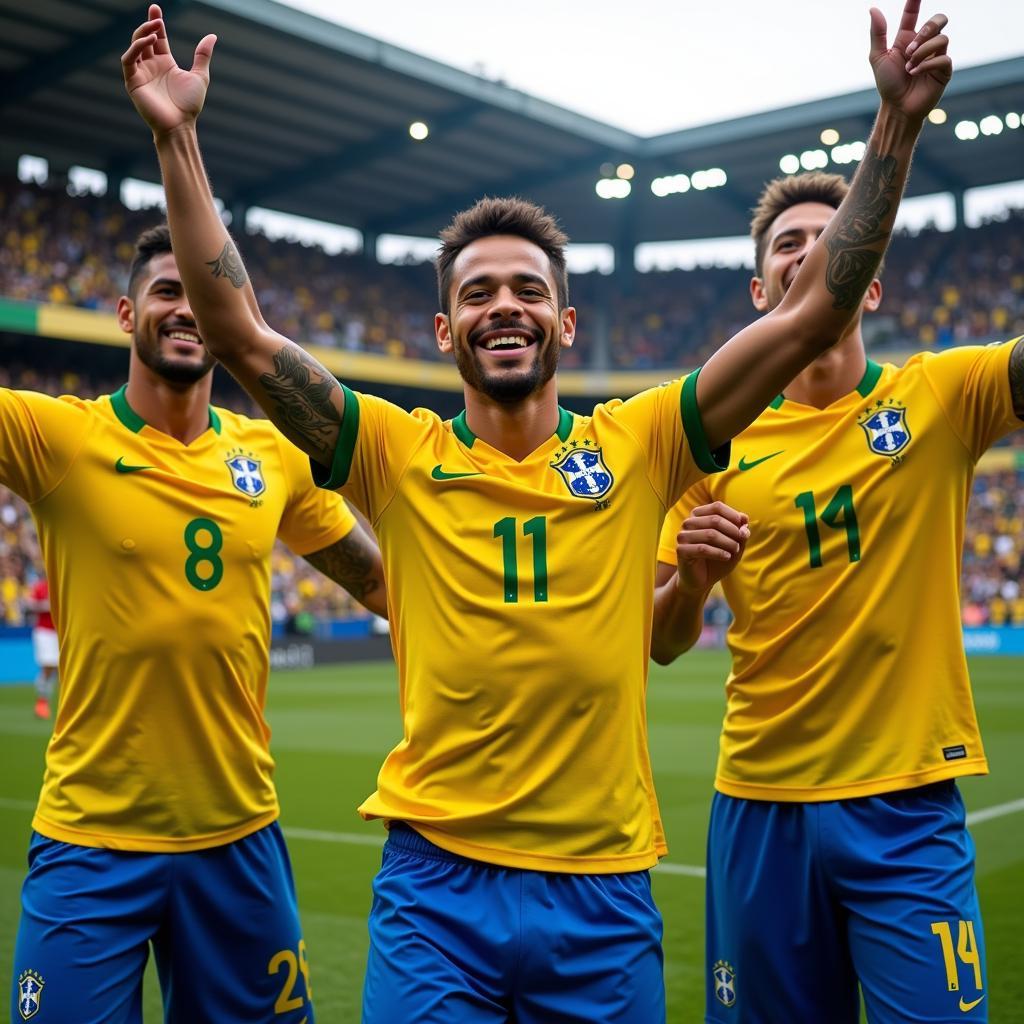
column 73, row 250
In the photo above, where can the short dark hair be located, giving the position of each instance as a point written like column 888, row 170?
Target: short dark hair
column 782, row 193
column 151, row 243
column 505, row 215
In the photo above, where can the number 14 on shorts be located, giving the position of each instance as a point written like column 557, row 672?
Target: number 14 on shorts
column 966, row 949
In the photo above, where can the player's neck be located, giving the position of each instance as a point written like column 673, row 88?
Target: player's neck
column 180, row 411
column 831, row 376
column 516, row 430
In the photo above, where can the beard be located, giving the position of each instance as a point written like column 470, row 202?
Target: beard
column 508, row 387
column 173, row 370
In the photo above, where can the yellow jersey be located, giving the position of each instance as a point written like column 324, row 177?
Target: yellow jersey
column 520, row 610
column 848, row 670
column 158, row 556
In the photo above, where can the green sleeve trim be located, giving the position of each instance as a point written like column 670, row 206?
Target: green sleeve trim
column 776, row 402
column 460, row 428
column 335, row 476
column 709, row 461
column 124, row 412
column 564, row 424
column 867, row 383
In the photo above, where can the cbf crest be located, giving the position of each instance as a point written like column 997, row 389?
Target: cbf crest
column 724, row 979
column 583, row 469
column 30, row 993
column 886, row 428
column 246, row 475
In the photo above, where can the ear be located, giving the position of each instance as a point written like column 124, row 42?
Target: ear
column 568, row 327
column 443, row 332
column 873, row 299
column 126, row 314
column 757, row 295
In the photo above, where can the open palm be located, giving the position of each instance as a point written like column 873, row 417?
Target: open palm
column 911, row 74
column 166, row 95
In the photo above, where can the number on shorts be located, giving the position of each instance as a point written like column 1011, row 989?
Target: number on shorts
column 966, row 949
column 287, row 1000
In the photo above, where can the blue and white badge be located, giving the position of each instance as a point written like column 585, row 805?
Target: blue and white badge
column 886, row 429
column 30, row 993
column 246, row 475
column 585, row 473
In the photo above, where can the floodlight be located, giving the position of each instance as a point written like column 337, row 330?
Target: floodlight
column 829, row 137
column 937, row 116
column 625, row 171
column 789, row 164
column 991, row 125
column 1012, row 120
column 418, row 130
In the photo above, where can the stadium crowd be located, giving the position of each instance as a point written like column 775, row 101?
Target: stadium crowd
column 74, row 250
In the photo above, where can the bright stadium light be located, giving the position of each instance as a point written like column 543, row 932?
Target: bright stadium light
column 625, row 171
column 789, row 164
column 418, row 130
column 991, row 125
column 829, row 137
column 612, row 188
column 1012, row 120
column 965, row 131
column 671, row 184
column 937, row 116
column 813, row 159
column 848, row 152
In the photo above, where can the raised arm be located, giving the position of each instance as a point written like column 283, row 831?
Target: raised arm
column 296, row 392
column 354, row 563
column 742, row 377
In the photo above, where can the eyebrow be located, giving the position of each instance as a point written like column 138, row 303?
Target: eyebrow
column 524, row 278
column 163, row 282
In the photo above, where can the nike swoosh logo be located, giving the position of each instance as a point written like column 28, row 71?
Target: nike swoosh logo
column 744, row 465
column 969, row 1006
column 122, row 468
column 439, row 474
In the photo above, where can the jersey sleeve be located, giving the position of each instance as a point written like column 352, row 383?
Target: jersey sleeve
column 698, row 494
column 39, row 439
column 667, row 423
column 973, row 387
column 376, row 441
column 313, row 518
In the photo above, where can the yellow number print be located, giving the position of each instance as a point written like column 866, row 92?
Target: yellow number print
column 966, row 949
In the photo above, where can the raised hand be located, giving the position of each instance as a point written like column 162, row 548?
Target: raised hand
column 165, row 95
column 709, row 544
column 911, row 74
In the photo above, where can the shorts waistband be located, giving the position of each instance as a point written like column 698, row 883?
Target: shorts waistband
column 403, row 836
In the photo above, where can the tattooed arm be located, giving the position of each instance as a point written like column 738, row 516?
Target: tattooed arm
column 1017, row 378
column 302, row 398
column 354, row 563
column 742, row 377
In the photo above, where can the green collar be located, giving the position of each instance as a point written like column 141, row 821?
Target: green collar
column 867, row 384
column 460, row 428
column 134, row 422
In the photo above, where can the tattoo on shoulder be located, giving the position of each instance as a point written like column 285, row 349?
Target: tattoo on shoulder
column 303, row 393
column 228, row 264
column 856, row 246
column 1017, row 378
column 348, row 562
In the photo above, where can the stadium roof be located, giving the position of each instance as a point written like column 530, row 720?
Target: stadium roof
column 311, row 118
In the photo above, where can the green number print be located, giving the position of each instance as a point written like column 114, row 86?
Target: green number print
column 839, row 512
column 537, row 528
column 200, row 554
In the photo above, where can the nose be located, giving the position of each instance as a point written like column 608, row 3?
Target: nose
column 183, row 310
column 505, row 305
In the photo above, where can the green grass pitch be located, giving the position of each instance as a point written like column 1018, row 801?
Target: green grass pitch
column 333, row 725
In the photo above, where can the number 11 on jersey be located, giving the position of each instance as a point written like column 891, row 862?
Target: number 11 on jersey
column 536, row 528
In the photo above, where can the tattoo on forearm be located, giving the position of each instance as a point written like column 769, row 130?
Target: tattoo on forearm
column 302, row 391
column 1017, row 378
column 857, row 244
column 228, row 264
column 348, row 562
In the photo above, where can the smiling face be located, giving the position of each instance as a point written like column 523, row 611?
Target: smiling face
column 789, row 239
column 164, row 332
column 505, row 327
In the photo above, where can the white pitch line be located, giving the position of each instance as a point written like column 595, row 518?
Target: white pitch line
column 998, row 811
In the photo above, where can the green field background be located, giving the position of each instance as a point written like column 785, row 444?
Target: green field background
column 332, row 726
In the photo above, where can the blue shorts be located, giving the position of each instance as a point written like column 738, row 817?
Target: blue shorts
column 458, row 941
column 806, row 899
column 223, row 922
